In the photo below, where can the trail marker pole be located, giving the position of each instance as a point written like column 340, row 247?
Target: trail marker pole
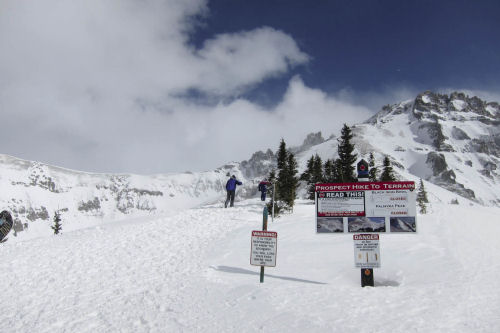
column 367, row 278
column 274, row 191
column 264, row 246
column 264, row 228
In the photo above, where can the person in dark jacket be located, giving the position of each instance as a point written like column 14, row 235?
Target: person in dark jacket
column 263, row 189
column 6, row 223
column 231, row 190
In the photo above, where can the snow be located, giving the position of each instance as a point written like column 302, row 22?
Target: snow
column 459, row 104
column 190, row 272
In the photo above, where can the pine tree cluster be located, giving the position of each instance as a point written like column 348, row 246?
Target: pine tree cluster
column 342, row 169
column 339, row 170
column 286, row 181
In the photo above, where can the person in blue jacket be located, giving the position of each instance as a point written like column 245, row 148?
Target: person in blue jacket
column 231, row 190
column 263, row 189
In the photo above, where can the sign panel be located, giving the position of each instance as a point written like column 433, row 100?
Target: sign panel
column 366, row 251
column 342, row 203
column 366, row 207
column 263, row 248
column 390, row 203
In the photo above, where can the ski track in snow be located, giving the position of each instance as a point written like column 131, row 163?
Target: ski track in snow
column 190, row 272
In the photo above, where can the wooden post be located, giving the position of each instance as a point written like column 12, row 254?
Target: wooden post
column 367, row 277
column 264, row 228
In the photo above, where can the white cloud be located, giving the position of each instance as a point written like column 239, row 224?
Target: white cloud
column 94, row 85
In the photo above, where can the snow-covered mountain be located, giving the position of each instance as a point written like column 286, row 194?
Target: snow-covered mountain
column 366, row 224
column 452, row 141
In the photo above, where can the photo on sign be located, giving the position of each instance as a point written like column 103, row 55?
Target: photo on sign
column 366, row 224
column 330, row 224
column 403, row 224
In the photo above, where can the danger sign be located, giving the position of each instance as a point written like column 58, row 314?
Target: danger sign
column 366, row 251
column 263, row 250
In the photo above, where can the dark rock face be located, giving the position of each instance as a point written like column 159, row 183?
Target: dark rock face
column 489, row 145
column 312, row 139
column 437, row 163
column 259, row 165
column 445, row 177
column 429, row 102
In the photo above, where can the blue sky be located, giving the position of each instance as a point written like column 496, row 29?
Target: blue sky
column 375, row 45
column 156, row 86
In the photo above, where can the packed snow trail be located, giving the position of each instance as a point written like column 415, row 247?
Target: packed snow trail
column 190, row 273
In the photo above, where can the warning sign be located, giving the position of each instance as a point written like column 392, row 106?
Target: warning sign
column 366, row 251
column 263, row 250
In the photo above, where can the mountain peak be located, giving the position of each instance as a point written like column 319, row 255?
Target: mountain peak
column 429, row 105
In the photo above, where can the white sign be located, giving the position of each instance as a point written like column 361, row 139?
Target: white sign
column 390, row 203
column 366, row 251
column 263, row 250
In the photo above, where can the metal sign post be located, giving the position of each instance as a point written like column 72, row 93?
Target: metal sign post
column 274, row 191
column 264, row 228
column 264, row 247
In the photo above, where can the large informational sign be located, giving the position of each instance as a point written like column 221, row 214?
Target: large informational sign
column 263, row 248
column 388, row 207
column 366, row 251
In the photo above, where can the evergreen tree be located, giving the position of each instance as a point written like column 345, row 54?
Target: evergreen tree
column 270, row 192
column 337, row 169
column 372, row 174
column 282, row 155
column 346, row 156
column 281, row 181
column 306, row 175
column 329, row 171
column 287, row 181
column 292, row 181
column 316, row 176
column 387, row 172
column 57, row 227
column 422, row 198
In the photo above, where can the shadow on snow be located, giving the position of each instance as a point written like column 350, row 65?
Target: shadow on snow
column 236, row 270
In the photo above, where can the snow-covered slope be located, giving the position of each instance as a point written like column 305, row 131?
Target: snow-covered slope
column 159, row 253
column 451, row 141
column 190, row 272
column 33, row 191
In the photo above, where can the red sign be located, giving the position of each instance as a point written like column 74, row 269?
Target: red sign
column 365, row 186
column 265, row 234
column 365, row 237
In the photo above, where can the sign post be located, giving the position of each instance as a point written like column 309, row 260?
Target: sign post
column 366, row 209
column 367, row 278
column 366, row 256
column 264, row 246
